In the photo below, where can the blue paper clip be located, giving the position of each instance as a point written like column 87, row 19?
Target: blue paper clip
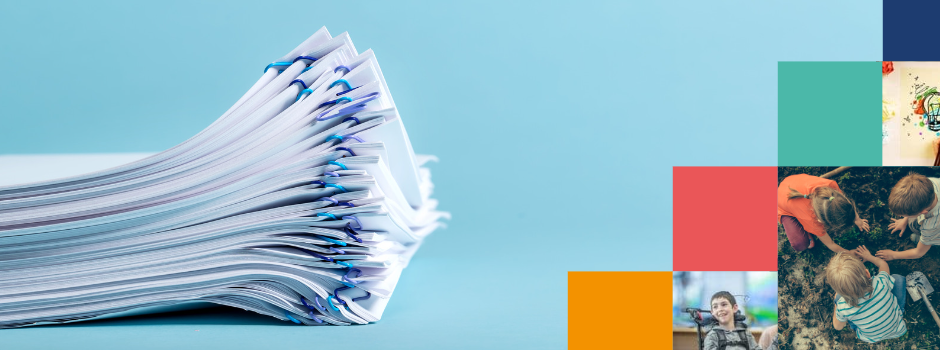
column 298, row 81
column 341, row 188
column 331, row 174
column 328, row 215
column 306, row 69
column 354, row 219
column 350, row 108
column 333, row 102
column 329, row 301
column 346, row 204
column 339, row 243
column 315, row 318
column 330, row 199
column 340, row 81
column 352, row 118
column 341, row 67
column 277, row 64
column 368, row 294
column 291, row 317
column 341, row 99
column 343, row 263
column 346, row 149
column 338, row 164
column 354, row 137
column 304, row 301
column 318, row 182
column 359, row 105
column 336, row 293
column 343, row 138
column 318, row 255
column 338, row 251
column 305, row 58
column 303, row 93
column 347, row 91
column 316, row 298
column 351, row 233
column 346, row 276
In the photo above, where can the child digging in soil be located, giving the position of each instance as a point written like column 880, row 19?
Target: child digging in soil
column 914, row 198
column 873, row 307
column 728, row 334
column 810, row 206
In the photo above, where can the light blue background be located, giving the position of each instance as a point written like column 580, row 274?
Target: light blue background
column 557, row 127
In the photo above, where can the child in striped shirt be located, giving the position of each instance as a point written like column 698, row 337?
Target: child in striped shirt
column 872, row 307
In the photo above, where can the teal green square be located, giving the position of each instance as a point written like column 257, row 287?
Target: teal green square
column 828, row 114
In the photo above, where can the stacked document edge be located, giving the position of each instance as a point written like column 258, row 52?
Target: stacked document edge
column 304, row 202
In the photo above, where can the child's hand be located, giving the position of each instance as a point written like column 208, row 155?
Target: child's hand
column 863, row 253
column 887, row 255
column 898, row 224
column 862, row 224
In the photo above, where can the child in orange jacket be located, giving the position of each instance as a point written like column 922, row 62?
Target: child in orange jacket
column 810, row 206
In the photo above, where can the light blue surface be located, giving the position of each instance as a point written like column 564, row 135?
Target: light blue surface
column 557, row 128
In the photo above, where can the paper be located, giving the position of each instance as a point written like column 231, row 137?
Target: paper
column 303, row 202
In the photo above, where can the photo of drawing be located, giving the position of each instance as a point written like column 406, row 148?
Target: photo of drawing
column 910, row 113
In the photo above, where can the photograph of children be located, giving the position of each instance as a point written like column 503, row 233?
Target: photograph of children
column 724, row 310
column 854, row 258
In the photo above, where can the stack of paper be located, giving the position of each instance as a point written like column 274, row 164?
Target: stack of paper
column 304, row 201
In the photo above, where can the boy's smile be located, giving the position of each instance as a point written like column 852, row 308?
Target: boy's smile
column 723, row 311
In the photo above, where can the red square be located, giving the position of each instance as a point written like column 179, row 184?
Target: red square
column 723, row 219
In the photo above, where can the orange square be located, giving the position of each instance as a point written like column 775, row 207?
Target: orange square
column 619, row 310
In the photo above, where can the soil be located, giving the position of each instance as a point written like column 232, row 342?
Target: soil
column 805, row 315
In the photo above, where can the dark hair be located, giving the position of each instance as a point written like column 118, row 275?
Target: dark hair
column 724, row 295
column 831, row 206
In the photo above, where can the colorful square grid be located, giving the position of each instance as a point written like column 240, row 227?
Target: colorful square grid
column 723, row 216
